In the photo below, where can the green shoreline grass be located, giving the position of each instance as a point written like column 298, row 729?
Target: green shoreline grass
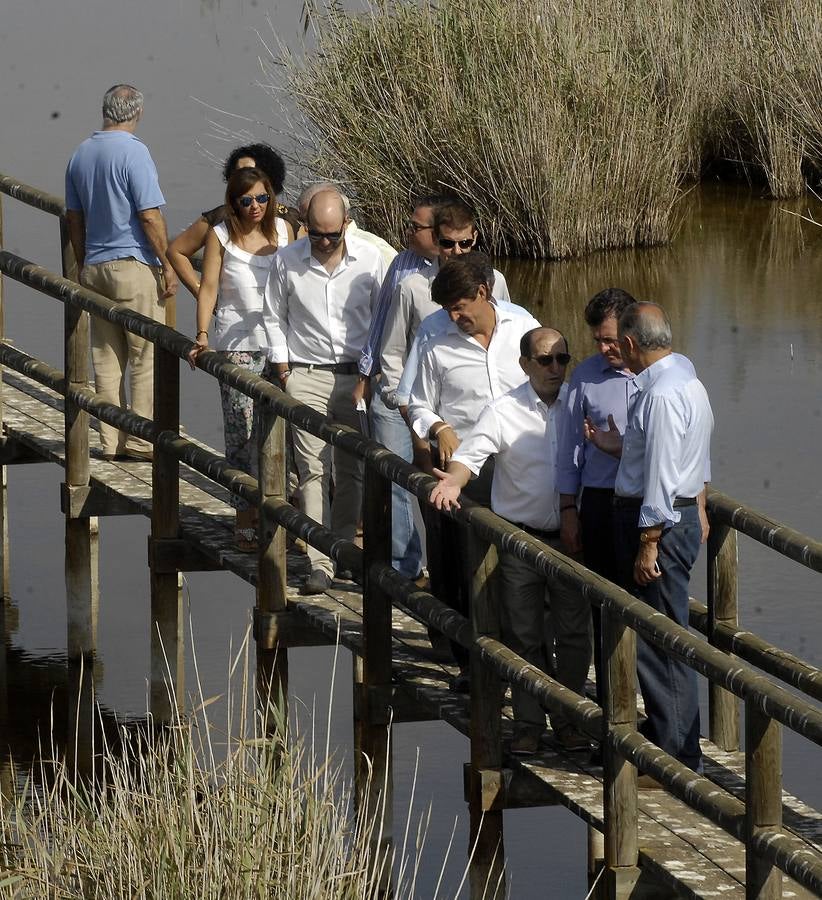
column 571, row 125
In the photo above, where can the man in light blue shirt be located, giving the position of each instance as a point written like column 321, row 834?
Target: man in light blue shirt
column 661, row 475
column 119, row 238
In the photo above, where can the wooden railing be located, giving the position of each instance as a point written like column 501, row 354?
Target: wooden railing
column 756, row 822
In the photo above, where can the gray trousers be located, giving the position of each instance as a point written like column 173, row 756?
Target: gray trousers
column 564, row 633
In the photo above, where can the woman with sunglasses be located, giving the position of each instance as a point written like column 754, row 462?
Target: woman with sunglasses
column 238, row 257
column 189, row 242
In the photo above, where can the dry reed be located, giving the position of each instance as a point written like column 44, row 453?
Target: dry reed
column 569, row 124
column 197, row 810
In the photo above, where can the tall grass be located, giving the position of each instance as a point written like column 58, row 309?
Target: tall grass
column 198, row 810
column 570, row 124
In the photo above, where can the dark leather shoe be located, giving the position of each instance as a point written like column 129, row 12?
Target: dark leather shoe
column 317, row 582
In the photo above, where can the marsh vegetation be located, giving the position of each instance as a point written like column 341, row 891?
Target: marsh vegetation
column 572, row 125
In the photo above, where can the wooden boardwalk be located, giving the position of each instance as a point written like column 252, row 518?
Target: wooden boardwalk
column 682, row 854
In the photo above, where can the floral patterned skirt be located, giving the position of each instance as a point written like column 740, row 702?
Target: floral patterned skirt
column 239, row 423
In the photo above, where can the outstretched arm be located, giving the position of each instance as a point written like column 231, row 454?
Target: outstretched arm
column 451, row 482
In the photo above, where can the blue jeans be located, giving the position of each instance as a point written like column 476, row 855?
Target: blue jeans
column 669, row 686
column 389, row 428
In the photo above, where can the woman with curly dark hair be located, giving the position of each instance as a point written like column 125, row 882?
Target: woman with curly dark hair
column 189, row 242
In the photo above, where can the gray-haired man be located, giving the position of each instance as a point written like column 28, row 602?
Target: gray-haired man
column 119, row 238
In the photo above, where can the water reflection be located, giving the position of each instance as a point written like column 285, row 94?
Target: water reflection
column 737, row 257
column 48, row 711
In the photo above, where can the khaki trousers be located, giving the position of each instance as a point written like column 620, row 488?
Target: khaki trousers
column 136, row 287
column 330, row 395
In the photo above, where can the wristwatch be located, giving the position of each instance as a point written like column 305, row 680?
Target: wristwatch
column 646, row 538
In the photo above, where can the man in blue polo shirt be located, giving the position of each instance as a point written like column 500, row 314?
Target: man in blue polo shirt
column 119, row 238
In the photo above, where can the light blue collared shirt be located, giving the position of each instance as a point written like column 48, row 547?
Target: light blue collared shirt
column 404, row 264
column 666, row 446
column 595, row 390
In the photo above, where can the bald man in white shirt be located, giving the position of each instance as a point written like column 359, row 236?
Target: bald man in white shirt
column 317, row 313
column 520, row 430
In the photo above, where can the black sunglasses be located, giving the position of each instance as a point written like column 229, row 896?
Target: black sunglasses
column 261, row 199
column 317, row 236
column 411, row 225
column 449, row 243
column 546, row 359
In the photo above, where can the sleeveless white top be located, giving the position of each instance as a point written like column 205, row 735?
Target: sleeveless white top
column 238, row 317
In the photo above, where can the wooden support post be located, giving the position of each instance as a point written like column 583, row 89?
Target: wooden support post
column 5, row 575
column 167, row 644
column 723, row 706
column 272, row 663
column 359, row 711
column 763, row 799
column 596, row 861
column 81, row 755
column 376, row 731
column 619, row 784
column 487, row 867
column 81, row 563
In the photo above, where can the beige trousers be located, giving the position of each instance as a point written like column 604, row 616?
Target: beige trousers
column 138, row 288
column 330, row 395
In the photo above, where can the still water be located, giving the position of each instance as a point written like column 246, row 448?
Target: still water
column 740, row 282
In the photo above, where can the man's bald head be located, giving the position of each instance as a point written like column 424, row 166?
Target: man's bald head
column 647, row 325
column 325, row 206
column 542, row 335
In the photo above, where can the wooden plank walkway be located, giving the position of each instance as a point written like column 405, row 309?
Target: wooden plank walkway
column 684, row 850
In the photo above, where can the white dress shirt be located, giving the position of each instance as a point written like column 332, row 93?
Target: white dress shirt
column 313, row 316
column 434, row 324
column 458, row 377
column 667, row 441
column 412, row 304
column 521, row 431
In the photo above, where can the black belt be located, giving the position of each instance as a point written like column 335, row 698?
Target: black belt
column 636, row 502
column 606, row 492
column 538, row 532
column 349, row 368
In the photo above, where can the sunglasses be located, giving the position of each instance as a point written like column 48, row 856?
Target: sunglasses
column 411, row 225
column 261, row 199
column 317, row 236
column 547, row 359
column 449, row 243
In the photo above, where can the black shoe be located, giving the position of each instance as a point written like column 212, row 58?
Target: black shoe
column 317, row 582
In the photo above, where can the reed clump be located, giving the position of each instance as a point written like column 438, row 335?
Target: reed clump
column 571, row 125
column 186, row 812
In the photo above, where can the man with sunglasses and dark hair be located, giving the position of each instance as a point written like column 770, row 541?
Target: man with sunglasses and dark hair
column 388, row 426
column 520, row 431
column 454, row 233
column 317, row 311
